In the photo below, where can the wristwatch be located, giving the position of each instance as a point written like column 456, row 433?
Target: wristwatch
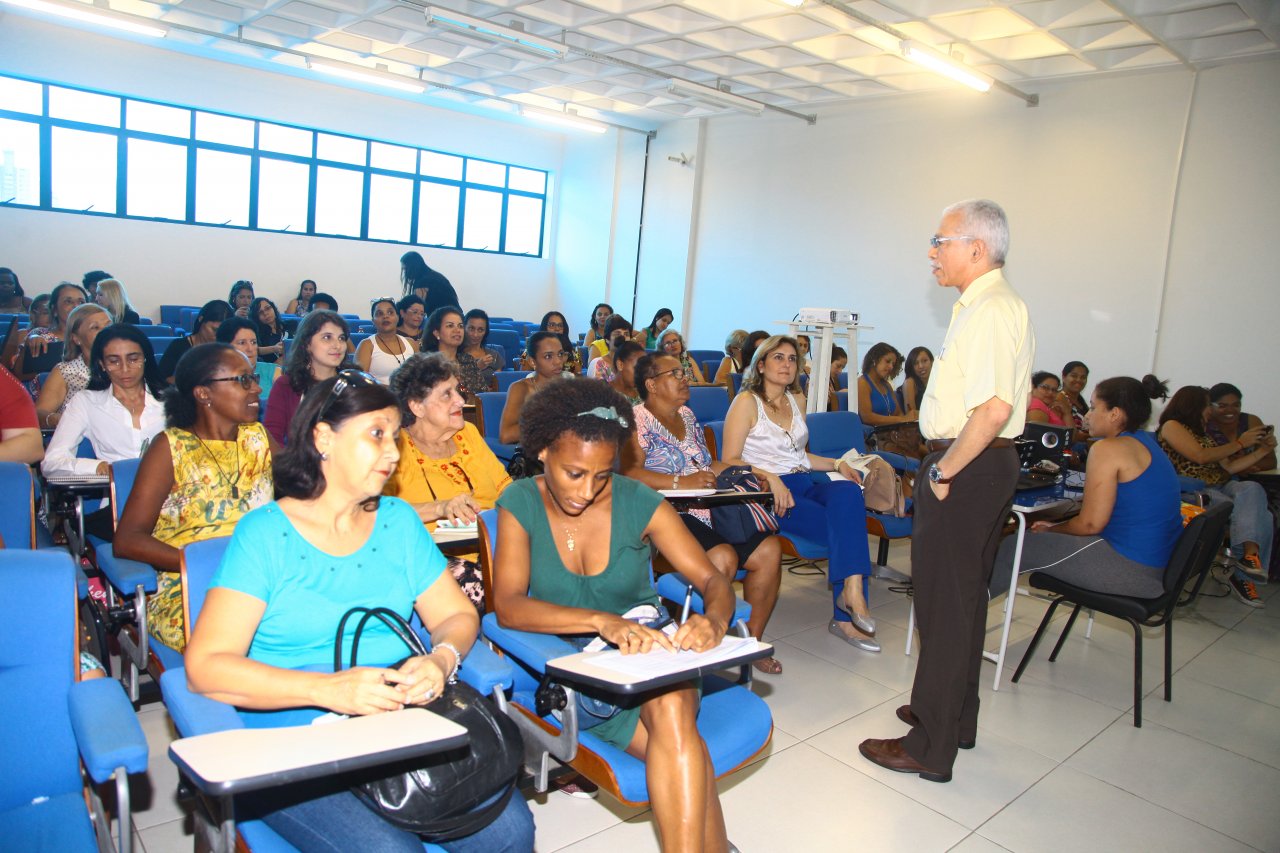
column 935, row 476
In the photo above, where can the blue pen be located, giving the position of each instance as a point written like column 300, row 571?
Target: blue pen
column 688, row 599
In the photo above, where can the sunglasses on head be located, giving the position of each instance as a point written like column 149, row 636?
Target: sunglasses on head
column 347, row 378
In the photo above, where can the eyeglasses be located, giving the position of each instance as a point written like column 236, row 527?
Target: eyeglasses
column 246, row 380
column 676, row 373
column 936, row 241
column 347, row 378
column 1045, row 386
column 1235, row 405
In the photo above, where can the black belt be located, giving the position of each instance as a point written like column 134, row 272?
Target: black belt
column 937, row 444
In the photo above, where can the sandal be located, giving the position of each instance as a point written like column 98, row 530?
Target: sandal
column 769, row 665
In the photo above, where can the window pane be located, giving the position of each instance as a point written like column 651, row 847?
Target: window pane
column 524, row 225
column 88, row 107
column 484, row 218
column 339, row 198
column 157, row 180
column 529, row 180
column 480, row 172
column 21, row 96
column 19, row 162
column 284, row 140
column 390, row 208
column 383, row 156
column 283, row 188
column 441, row 166
column 222, row 188
column 84, row 170
column 211, row 127
column 343, row 149
column 154, row 118
column 437, row 215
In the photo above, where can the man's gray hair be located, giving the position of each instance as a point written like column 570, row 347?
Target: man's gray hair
column 984, row 220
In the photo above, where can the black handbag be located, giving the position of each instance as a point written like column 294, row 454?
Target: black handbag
column 437, row 797
column 738, row 522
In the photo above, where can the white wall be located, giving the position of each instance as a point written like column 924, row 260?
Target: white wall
column 164, row 263
column 1223, row 298
column 838, row 214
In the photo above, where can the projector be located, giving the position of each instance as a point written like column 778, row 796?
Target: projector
column 828, row 315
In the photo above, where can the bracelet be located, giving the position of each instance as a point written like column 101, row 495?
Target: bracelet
column 675, row 482
column 452, row 677
column 1241, row 443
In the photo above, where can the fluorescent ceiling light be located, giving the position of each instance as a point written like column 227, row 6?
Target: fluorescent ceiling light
column 91, row 15
column 794, row 4
column 947, row 67
column 564, row 119
column 489, row 31
column 714, row 97
column 369, row 75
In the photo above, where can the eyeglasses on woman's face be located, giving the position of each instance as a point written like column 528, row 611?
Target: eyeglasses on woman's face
column 246, row 380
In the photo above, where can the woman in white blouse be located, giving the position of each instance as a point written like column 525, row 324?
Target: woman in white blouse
column 119, row 412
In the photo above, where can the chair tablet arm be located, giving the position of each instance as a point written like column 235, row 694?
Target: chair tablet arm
column 1190, row 484
column 672, row 586
column 192, row 713
column 485, row 671
column 125, row 575
column 106, row 729
column 533, row 650
column 898, row 461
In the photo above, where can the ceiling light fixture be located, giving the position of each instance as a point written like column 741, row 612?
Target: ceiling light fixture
column 945, row 65
column 91, row 15
column 714, row 97
column 565, row 119
column 367, row 75
column 497, row 33
column 794, row 4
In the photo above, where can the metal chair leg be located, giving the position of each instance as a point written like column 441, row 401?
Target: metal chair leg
column 1071, row 620
column 1137, row 674
column 1035, row 640
column 1168, row 660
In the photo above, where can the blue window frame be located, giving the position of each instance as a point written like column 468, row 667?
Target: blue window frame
column 78, row 150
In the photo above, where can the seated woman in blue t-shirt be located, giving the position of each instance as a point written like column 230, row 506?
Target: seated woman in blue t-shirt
column 1130, row 519
column 292, row 569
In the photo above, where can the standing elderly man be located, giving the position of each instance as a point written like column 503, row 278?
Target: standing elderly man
column 974, row 407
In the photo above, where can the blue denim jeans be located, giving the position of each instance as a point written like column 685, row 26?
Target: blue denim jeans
column 831, row 511
column 337, row 822
column 1251, row 521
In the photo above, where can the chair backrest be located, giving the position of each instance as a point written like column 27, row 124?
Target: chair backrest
column 508, row 339
column 17, row 505
column 709, row 367
column 736, row 380
column 713, row 434
column 122, row 477
column 156, row 330
column 198, row 562
column 39, row 757
column 507, row 378
column 709, row 403
column 1196, row 547
column 843, row 398
column 703, row 355
column 487, row 528
column 833, row 434
column 491, row 405
column 161, row 344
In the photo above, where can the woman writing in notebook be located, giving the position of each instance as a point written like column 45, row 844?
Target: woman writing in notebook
column 573, row 557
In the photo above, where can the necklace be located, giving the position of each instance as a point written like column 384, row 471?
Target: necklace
column 568, row 537
column 398, row 356
column 233, row 484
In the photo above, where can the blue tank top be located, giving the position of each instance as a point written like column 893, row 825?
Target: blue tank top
column 881, row 404
column 1147, row 518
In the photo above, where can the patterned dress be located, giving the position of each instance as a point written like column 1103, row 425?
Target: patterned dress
column 214, row 484
column 75, row 374
column 666, row 454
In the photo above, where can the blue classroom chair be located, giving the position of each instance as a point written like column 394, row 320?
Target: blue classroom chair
column 491, row 405
column 709, row 402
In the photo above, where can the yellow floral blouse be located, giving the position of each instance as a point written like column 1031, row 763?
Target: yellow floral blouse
column 214, row 484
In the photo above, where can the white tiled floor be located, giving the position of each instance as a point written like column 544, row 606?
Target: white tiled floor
column 1058, row 765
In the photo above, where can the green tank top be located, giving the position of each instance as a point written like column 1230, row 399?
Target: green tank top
column 625, row 581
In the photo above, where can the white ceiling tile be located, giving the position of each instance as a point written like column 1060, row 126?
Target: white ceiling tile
column 407, row 56
column 442, row 48
column 825, row 73
column 927, row 8
column 306, row 12
column 1067, row 13
column 216, row 9
column 355, row 44
column 1131, row 57
column 790, row 28
column 403, row 17
column 926, row 34
column 778, row 57
column 296, row 29
column 1028, row 46
column 1052, row 66
column 1101, row 36
column 924, row 82
column 1211, row 20
column 984, row 24
column 675, row 19
column 726, row 66
column 735, row 10
column 883, row 65
column 560, row 12
column 858, row 88
column 1231, row 44
column 729, row 39
column 677, row 50
column 838, row 46
column 378, row 32
column 878, row 11
column 767, row 80
column 622, row 32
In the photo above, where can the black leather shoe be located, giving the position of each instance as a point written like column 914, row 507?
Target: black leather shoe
column 891, row 755
column 904, row 714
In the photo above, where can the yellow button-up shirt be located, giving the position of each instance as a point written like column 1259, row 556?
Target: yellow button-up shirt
column 988, row 352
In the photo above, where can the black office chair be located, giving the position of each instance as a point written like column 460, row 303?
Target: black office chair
column 1192, row 555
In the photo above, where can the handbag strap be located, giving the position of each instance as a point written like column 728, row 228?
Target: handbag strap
column 394, row 621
